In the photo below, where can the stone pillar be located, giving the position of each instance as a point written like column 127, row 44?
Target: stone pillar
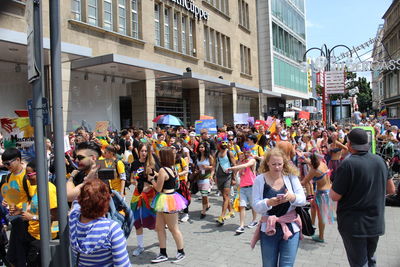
column 143, row 103
column 196, row 101
column 66, row 90
column 255, row 108
column 230, row 105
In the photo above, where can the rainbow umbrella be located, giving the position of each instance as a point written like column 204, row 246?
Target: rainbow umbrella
column 157, row 118
column 170, row 120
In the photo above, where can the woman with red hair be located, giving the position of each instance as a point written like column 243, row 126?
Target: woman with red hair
column 96, row 240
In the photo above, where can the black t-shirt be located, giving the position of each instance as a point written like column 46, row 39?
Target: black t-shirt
column 135, row 144
column 361, row 180
column 142, row 178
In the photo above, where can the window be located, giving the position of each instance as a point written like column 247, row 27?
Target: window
column 290, row 14
column 244, row 20
column 217, row 47
column 221, row 5
column 286, row 44
column 167, row 35
column 183, row 34
column 92, row 12
column 191, row 37
column 135, row 18
column 122, row 16
column 176, row 33
column 245, row 62
column 76, row 9
column 157, row 28
column 107, row 15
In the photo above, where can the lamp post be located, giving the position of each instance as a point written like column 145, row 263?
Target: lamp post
column 326, row 53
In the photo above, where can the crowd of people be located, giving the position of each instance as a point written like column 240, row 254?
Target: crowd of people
column 271, row 172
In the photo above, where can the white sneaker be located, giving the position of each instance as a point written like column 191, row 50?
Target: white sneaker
column 137, row 251
column 252, row 224
column 179, row 257
column 185, row 218
column 240, row 230
column 160, row 258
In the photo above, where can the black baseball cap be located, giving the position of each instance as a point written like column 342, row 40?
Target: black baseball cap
column 359, row 140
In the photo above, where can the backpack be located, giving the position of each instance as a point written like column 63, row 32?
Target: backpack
column 6, row 178
column 116, row 205
column 128, row 172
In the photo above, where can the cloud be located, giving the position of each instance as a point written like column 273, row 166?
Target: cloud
column 309, row 24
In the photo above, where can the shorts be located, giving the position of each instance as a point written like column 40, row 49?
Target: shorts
column 245, row 196
column 224, row 182
column 204, row 187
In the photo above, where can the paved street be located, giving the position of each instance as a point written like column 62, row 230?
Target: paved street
column 206, row 244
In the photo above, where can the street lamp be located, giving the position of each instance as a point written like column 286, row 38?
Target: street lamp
column 326, row 53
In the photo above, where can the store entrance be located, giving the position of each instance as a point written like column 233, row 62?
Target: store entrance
column 125, row 111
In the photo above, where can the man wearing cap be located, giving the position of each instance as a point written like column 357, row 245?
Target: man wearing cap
column 360, row 185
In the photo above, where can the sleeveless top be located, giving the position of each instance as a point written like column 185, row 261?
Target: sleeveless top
column 280, row 209
column 170, row 183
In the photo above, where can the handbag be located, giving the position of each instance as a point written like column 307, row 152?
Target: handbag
column 307, row 227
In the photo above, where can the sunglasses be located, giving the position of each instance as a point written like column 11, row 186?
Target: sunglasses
column 8, row 163
column 31, row 174
column 230, row 139
column 80, row 157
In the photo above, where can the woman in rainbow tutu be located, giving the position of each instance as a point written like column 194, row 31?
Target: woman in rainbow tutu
column 144, row 215
column 167, row 203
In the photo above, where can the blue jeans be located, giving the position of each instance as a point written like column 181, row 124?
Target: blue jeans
column 274, row 248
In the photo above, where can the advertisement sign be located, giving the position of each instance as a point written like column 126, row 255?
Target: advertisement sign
column 210, row 125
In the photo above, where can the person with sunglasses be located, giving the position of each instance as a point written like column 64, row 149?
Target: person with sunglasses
column 224, row 178
column 29, row 241
column 86, row 155
column 13, row 162
column 233, row 147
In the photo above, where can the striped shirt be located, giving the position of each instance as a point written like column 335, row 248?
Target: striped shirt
column 100, row 242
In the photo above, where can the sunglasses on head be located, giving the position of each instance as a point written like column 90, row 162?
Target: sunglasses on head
column 80, row 157
column 8, row 163
column 31, row 174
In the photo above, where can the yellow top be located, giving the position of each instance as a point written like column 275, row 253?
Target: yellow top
column 16, row 182
column 34, row 227
column 180, row 167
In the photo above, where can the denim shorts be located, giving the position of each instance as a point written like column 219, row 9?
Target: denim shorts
column 246, row 196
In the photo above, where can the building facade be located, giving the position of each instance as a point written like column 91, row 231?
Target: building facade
column 378, row 54
column 128, row 61
column 282, row 44
column 391, row 43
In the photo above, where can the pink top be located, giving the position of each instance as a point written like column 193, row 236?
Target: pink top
column 247, row 177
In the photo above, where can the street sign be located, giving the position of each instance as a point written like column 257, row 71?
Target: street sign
column 334, row 82
column 45, row 107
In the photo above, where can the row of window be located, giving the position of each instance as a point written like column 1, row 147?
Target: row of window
column 221, row 5
column 244, row 19
column 289, row 16
column 101, row 13
column 289, row 76
column 299, row 4
column 173, row 30
column 217, row 47
column 286, row 44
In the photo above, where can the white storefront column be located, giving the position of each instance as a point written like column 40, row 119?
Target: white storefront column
column 143, row 103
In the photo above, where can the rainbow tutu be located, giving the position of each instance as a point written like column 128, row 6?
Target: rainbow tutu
column 170, row 203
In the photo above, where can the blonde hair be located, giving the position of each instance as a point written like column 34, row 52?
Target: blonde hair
column 288, row 167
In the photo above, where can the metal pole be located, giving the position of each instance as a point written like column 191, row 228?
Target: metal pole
column 340, row 119
column 42, row 181
column 56, row 86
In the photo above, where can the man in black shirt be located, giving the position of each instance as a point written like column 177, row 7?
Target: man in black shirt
column 360, row 185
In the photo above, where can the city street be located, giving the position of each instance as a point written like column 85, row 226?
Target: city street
column 206, row 244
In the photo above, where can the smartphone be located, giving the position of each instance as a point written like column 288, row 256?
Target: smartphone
column 280, row 195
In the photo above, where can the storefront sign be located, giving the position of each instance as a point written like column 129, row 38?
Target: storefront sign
column 351, row 64
column 197, row 12
column 344, row 102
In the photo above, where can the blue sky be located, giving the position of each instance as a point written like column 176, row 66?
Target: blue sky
column 348, row 22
